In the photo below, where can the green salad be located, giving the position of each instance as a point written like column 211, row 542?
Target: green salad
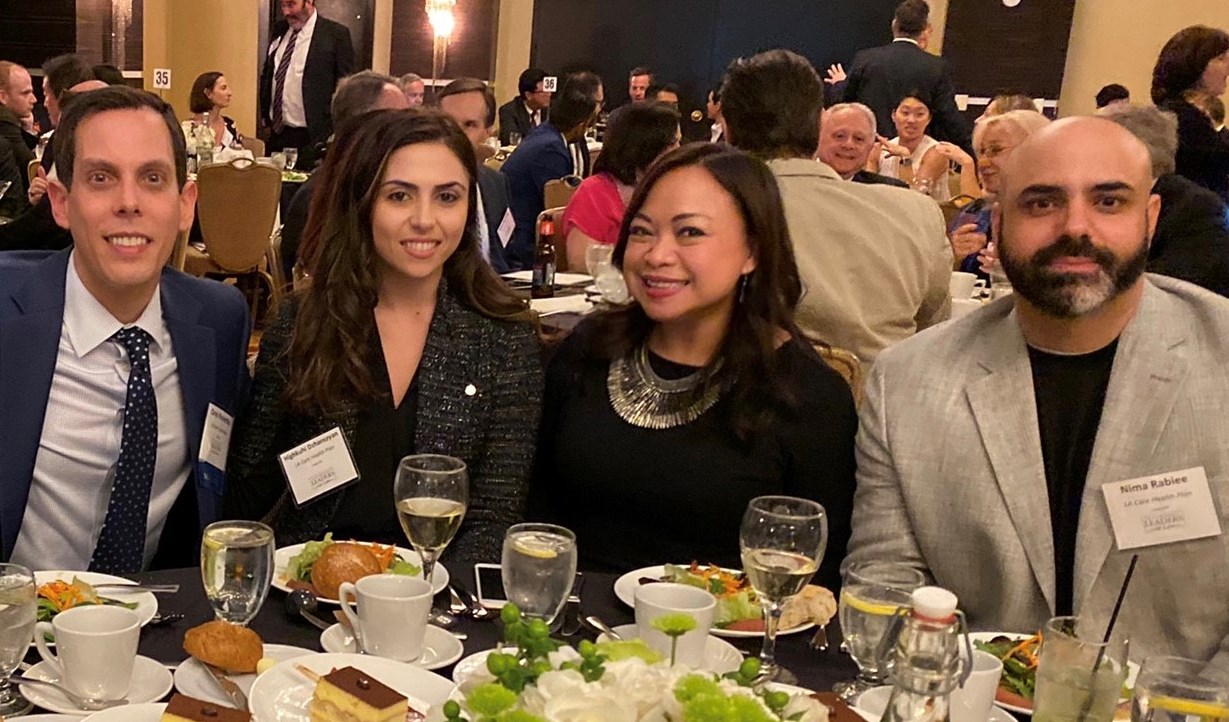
column 737, row 607
column 299, row 568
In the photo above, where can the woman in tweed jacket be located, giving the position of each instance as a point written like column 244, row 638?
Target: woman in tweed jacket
column 405, row 340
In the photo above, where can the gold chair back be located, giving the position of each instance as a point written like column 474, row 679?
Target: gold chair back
column 237, row 205
column 32, row 170
column 180, row 254
column 256, row 145
column 847, row 364
column 952, row 207
column 559, row 192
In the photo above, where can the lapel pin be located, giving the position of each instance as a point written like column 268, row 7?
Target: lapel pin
column 470, row 389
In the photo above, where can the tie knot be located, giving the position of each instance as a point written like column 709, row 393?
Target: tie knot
column 135, row 341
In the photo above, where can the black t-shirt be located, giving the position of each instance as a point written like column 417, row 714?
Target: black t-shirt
column 1070, row 393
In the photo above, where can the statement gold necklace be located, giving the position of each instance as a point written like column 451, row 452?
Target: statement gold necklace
column 642, row 398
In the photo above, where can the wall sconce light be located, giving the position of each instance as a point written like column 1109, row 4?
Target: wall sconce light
column 443, row 22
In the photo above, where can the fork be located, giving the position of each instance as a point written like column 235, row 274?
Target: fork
column 819, row 641
column 162, row 620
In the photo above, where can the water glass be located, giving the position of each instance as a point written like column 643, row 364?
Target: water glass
column 538, row 568
column 278, row 159
column 871, row 593
column 597, row 254
column 514, row 138
column 18, row 604
column 431, row 493
column 1079, row 677
column 782, row 541
column 1173, row 689
column 292, row 157
column 237, row 568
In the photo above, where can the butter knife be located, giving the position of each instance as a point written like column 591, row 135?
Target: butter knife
column 228, row 687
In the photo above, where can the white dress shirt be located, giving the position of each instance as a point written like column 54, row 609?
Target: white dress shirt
column 79, row 447
column 293, row 114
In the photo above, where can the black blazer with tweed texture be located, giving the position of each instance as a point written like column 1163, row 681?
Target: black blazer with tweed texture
column 494, row 430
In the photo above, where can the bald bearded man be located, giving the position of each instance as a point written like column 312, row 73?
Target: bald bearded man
column 992, row 450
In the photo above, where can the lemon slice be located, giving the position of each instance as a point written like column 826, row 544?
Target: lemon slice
column 534, row 548
column 876, row 608
column 1199, row 708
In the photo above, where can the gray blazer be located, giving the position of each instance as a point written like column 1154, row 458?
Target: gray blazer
column 951, row 480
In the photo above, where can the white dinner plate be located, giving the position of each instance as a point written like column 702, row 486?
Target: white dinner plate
column 147, row 603
column 281, row 559
column 49, row 718
column 149, row 712
column 192, row 679
column 625, row 590
column 719, row 655
column 1132, row 667
column 150, row 681
column 875, row 700
column 284, row 693
column 561, row 304
column 561, row 279
column 792, row 689
column 439, row 647
column 469, row 666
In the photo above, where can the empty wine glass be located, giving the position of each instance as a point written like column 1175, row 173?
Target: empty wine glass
column 431, row 492
column 18, row 602
column 514, row 138
column 292, row 157
column 782, row 540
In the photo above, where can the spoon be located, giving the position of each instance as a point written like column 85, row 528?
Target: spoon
column 303, row 603
column 80, row 702
column 601, row 627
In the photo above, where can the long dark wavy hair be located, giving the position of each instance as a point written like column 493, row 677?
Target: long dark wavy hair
column 1182, row 61
column 746, row 361
column 331, row 342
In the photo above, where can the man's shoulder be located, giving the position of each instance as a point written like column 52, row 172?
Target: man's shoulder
column 331, row 27
column 949, row 346
column 1181, row 305
column 220, row 302
column 871, row 178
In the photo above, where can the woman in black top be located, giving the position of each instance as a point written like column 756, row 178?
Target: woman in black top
column 1192, row 67
column 663, row 419
column 211, row 95
column 405, row 339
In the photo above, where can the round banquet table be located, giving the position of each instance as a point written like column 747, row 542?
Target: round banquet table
column 816, row 670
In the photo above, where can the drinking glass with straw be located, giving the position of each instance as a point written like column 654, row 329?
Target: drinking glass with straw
column 1173, row 689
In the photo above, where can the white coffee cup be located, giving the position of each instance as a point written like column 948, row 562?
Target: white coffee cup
column 392, row 614
column 964, row 306
column 97, row 647
column 972, row 702
column 658, row 599
column 962, row 284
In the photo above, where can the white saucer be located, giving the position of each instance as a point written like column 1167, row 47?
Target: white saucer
column 439, row 647
column 151, row 712
column 719, row 655
column 192, row 679
column 469, row 666
column 150, row 681
column 875, row 700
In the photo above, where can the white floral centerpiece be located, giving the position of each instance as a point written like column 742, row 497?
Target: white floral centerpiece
column 546, row 681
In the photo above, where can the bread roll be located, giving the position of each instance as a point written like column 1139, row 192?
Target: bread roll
column 227, row 646
column 342, row 562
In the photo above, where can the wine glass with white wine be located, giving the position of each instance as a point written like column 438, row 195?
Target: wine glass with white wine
column 782, row 540
column 431, row 492
column 18, row 604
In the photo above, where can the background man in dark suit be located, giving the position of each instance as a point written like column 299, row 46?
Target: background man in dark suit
column 528, row 110
column 880, row 77
column 111, row 364
column 296, row 87
column 469, row 101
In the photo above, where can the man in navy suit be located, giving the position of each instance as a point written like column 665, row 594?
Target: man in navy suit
column 470, row 102
column 295, row 91
column 546, row 154
column 880, row 77
column 117, row 374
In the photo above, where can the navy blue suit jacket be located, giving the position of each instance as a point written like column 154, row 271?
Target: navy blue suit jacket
column 208, row 323
column 541, row 156
column 494, row 188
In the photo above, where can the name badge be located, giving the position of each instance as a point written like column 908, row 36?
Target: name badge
column 215, row 441
column 1171, row 507
column 318, row 466
column 506, row 226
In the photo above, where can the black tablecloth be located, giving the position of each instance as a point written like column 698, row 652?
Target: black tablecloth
column 815, row 670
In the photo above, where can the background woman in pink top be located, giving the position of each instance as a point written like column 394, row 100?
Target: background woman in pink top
column 636, row 136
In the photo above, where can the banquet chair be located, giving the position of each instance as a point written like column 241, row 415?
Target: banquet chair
column 549, row 220
column 256, row 145
column 180, row 253
column 559, row 192
column 237, row 207
column 952, row 207
column 32, row 170
column 845, row 363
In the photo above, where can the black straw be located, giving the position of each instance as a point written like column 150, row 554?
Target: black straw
column 1109, row 631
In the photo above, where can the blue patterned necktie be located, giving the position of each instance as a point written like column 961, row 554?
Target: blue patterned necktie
column 121, row 544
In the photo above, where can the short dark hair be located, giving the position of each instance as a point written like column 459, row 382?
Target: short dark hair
column 911, row 18
column 471, row 85
column 1111, row 93
column 1184, row 58
column 528, row 82
column 108, row 74
column 358, row 93
column 641, row 70
column 655, row 88
column 64, row 71
column 198, row 101
column 576, row 101
column 114, row 97
column 635, row 136
column 771, row 105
